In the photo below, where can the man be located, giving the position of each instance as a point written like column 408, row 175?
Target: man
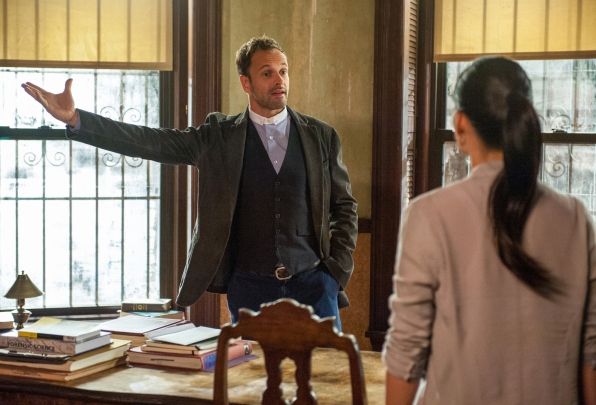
column 276, row 215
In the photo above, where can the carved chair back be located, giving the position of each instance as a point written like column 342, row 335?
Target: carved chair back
column 287, row 329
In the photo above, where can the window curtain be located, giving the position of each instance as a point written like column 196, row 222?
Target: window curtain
column 108, row 34
column 521, row 29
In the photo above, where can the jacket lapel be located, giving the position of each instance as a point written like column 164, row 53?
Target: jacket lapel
column 314, row 168
column 234, row 154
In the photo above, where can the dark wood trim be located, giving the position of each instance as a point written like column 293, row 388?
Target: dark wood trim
column 440, row 136
column 206, row 59
column 388, row 90
column 206, row 97
column 426, row 96
column 180, row 180
column 440, row 96
column 567, row 138
column 174, row 85
column 564, row 138
column 364, row 225
column 33, row 134
column 169, row 209
column 434, row 167
column 104, row 312
column 166, row 203
column 15, row 390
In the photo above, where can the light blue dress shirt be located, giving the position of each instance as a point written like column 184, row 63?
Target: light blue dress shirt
column 274, row 133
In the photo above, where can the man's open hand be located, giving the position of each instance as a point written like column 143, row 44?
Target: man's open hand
column 59, row 105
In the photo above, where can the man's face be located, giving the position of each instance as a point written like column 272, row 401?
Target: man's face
column 268, row 82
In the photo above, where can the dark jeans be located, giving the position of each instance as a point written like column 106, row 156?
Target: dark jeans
column 316, row 288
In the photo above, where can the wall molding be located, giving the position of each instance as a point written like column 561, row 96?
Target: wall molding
column 206, row 97
column 388, row 91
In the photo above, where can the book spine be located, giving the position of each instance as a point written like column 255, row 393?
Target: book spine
column 28, row 334
column 143, row 307
column 240, row 349
column 20, row 343
column 37, row 335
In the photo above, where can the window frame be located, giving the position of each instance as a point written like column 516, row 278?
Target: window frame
column 388, row 159
column 440, row 135
column 166, row 271
column 174, row 109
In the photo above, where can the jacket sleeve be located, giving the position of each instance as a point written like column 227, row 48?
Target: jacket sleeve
column 408, row 340
column 159, row 144
column 343, row 219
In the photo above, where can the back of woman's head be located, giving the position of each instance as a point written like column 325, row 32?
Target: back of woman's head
column 495, row 94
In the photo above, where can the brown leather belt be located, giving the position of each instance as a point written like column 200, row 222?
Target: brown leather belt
column 282, row 273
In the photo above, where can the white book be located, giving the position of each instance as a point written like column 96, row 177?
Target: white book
column 136, row 325
column 169, row 329
column 12, row 341
column 208, row 344
column 56, row 328
column 115, row 350
column 189, row 336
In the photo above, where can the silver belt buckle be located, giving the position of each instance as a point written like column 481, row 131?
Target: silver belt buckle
column 282, row 274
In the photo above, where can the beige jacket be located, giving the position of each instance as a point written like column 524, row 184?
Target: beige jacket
column 460, row 318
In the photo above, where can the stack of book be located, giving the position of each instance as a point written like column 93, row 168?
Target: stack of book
column 59, row 350
column 153, row 308
column 191, row 348
column 134, row 327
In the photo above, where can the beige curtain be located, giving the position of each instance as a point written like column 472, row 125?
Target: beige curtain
column 119, row 34
column 522, row 29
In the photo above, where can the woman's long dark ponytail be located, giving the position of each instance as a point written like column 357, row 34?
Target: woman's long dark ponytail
column 495, row 94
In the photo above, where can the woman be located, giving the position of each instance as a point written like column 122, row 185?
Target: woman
column 496, row 275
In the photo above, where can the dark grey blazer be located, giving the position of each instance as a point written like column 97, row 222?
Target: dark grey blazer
column 216, row 148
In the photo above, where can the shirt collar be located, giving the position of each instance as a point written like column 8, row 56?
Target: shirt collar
column 276, row 119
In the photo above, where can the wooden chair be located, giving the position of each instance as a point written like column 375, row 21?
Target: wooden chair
column 287, row 329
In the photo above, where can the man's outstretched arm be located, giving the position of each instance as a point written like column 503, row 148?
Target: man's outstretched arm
column 159, row 144
column 60, row 105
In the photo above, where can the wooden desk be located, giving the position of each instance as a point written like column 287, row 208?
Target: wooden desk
column 246, row 382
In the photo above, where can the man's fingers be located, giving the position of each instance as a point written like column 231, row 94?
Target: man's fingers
column 37, row 95
column 31, row 91
column 67, row 85
column 29, row 84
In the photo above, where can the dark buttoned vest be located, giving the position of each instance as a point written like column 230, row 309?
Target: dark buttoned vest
column 273, row 223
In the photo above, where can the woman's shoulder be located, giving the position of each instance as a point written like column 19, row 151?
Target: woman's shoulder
column 443, row 197
column 560, row 210
column 554, row 200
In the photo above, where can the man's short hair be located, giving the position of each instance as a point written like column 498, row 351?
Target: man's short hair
column 244, row 54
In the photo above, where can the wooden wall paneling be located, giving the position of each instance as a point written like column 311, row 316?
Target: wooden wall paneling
column 437, row 106
column 206, row 98
column 387, row 163
column 425, row 89
column 174, row 178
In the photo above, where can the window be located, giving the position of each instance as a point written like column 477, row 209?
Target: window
column 82, row 222
column 564, row 95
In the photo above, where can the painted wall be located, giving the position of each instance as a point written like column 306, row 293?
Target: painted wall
column 330, row 48
column 329, row 44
